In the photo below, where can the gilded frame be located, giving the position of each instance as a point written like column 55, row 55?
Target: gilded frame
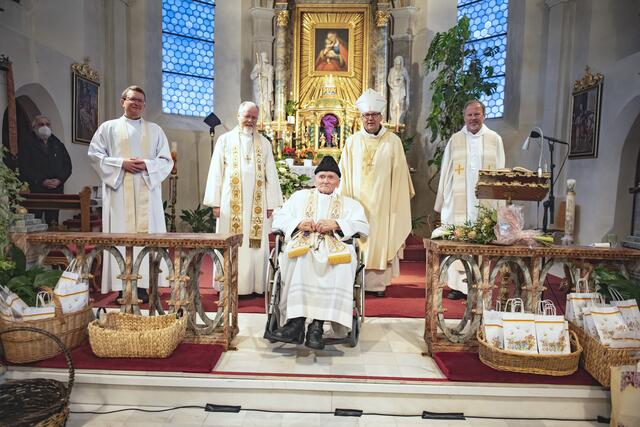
column 85, row 92
column 585, row 116
column 314, row 20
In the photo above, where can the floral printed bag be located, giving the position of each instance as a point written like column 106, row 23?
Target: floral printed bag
column 608, row 321
column 625, row 395
column 519, row 328
column 577, row 301
column 629, row 310
column 492, row 323
column 552, row 331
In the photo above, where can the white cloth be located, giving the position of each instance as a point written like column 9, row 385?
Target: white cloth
column 251, row 262
column 103, row 158
column 444, row 198
column 312, row 287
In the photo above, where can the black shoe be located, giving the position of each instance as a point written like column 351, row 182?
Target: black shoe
column 142, row 295
column 454, row 294
column 292, row 332
column 314, row 335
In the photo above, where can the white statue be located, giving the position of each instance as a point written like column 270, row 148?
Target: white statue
column 262, row 76
column 398, row 81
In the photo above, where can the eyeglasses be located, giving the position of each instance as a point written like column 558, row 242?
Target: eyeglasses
column 135, row 100
column 370, row 115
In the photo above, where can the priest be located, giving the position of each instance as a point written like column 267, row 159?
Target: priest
column 376, row 174
column 132, row 158
column 472, row 148
column 317, row 268
column 243, row 189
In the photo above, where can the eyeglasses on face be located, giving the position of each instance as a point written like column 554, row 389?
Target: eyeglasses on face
column 370, row 115
column 135, row 100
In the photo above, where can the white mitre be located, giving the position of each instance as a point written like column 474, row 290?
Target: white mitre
column 371, row 101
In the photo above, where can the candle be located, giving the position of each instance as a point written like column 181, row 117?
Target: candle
column 174, row 156
column 397, row 116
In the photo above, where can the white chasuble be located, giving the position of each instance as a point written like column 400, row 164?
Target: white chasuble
column 313, row 287
column 238, row 177
column 131, row 203
column 375, row 173
column 465, row 154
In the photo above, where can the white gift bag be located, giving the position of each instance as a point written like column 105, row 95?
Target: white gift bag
column 6, row 314
column 588, row 324
column 628, row 308
column 13, row 302
column 519, row 328
column 72, row 290
column 577, row 301
column 44, row 308
column 492, row 323
column 608, row 321
column 552, row 331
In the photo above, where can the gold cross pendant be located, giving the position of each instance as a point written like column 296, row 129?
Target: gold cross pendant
column 459, row 169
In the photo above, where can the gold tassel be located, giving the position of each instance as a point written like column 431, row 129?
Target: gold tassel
column 301, row 250
column 343, row 258
column 255, row 243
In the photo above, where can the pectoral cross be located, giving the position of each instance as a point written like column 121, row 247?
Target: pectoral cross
column 459, row 169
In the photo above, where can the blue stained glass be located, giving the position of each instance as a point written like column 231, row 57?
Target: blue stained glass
column 488, row 26
column 187, row 57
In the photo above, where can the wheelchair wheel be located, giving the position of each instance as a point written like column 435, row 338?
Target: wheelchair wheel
column 272, row 300
column 354, row 335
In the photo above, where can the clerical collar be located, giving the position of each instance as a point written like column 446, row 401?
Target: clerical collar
column 479, row 133
column 375, row 135
column 138, row 120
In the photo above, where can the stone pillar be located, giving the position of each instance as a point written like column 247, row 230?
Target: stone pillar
column 3, row 92
column 381, row 50
column 262, row 35
column 282, row 24
column 402, row 37
column 115, row 59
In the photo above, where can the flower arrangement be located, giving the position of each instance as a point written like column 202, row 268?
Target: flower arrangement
column 481, row 231
column 290, row 182
column 289, row 152
column 305, row 153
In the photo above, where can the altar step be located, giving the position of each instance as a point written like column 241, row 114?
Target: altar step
column 414, row 249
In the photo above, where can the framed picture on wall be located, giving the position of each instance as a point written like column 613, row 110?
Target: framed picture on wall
column 585, row 116
column 85, row 91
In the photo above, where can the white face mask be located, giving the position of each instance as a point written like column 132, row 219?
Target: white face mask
column 44, row 132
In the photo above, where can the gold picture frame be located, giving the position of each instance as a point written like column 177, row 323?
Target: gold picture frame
column 85, row 92
column 585, row 116
column 312, row 33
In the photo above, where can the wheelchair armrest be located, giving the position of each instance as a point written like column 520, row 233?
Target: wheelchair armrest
column 277, row 232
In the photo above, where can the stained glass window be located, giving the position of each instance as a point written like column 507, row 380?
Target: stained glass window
column 187, row 57
column 488, row 25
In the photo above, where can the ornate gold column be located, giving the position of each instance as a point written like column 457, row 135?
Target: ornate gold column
column 381, row 49
column 282, row 23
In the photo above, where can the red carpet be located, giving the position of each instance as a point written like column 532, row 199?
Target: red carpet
column 404, row 298
column 467, row 367
column 195, row 358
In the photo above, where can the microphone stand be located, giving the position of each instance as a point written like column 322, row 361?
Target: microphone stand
column 549, row 204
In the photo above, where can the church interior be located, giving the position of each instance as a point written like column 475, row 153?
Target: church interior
column 559, row 83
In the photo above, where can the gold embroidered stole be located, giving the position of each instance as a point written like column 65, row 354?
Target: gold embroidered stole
column 459, row 162
column 302, row 242
column 136, row 215
column 257, row 219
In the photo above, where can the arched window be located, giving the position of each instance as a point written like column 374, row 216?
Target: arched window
column 488, row 25
column 187, row 57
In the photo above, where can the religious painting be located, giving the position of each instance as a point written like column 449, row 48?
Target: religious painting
column 85, row 87
column 330, row 40
column 332, row 47
column 585, row 116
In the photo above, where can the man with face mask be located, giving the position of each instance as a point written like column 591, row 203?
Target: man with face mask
column 243, row 189
column 44, row 163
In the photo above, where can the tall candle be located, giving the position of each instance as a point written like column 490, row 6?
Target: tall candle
column 174, row 156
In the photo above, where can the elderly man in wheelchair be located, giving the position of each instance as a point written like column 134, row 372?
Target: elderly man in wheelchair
column 315, row 273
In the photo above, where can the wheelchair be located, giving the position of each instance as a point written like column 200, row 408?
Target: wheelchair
column 274, row 289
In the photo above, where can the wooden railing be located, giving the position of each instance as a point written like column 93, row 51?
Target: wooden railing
column 182, row 253
column 521, row 266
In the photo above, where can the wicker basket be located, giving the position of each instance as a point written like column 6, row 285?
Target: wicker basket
column 599, row 358
column 556, row 365
column 128, row 335
column 25, row 346
column 36, row 402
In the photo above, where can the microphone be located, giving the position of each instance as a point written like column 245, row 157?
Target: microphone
column 536, row 133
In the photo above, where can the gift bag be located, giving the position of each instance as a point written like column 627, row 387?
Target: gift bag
column 14, row 303
column 492, row 323
column 72, row 290
column 625, row 395
column 628, row 308
column 608, row 322
column 552, row 331
column 588, row 324
column 577, row 301
column 44, row 308
column 519, row 328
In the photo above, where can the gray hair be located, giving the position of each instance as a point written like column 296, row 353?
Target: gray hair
column 471, row 102
column 38, row 117
column 245, row 105
column 134, row 89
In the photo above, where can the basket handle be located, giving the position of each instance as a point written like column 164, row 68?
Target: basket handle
column 65, row 351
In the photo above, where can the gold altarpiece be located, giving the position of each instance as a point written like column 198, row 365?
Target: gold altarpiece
column 322, row 85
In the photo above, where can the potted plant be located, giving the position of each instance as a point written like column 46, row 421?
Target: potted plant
column 289, row 153
column 460, row 76
column 200, row 219
column 290, row 109
column 290, row 182
column 10, row 187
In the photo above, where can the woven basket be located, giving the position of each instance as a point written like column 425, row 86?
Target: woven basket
column 556, row 365
column 128, row 335
column 25, row 346
column 599, row 358
column 36, row 402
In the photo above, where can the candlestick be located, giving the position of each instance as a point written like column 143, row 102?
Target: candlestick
column 174, row 156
